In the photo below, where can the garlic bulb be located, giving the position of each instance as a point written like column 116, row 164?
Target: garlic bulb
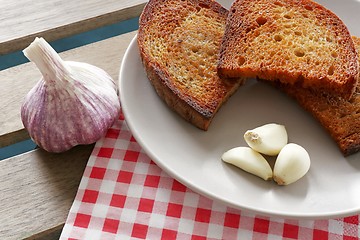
column 248, row 160
column 73, row 103
column 292, row 163
column 268, row 139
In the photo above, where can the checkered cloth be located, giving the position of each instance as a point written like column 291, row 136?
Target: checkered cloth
column 124, row 195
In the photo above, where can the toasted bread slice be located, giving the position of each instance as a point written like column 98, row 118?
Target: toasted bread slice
column 179, row 43
column 340, row 117
column 291, row 41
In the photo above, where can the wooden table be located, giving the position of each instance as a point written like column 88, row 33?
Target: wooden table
column 37, row 188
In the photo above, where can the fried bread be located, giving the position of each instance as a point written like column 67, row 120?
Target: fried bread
column 340, row 117
column 179, row 44
column 294, row 41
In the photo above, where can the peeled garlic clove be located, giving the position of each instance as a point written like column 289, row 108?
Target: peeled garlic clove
column 249, row 161
column 292, row 163
column 73, row 103
column 268, row 139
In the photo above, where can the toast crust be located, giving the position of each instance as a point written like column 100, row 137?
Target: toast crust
column 179, row 44
column 291, row 41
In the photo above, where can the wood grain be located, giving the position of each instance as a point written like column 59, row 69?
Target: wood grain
column 37, row 190
column 16, row 82
column 21, row 21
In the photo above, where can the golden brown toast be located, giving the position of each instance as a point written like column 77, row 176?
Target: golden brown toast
column 340, row 117
column 294, row 41
column 179, row 43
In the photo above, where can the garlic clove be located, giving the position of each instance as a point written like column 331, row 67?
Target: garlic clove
column 292, row 163
column 248, row 160
column 268, row 139
column 73, row 103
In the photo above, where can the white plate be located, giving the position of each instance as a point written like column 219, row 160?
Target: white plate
column 330, row 189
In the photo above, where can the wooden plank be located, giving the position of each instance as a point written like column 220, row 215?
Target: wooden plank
column 21, row 21
column 49, row 234
column 37, row 190
column 16, row 82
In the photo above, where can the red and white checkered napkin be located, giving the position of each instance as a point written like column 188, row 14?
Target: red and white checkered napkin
column 124, row 195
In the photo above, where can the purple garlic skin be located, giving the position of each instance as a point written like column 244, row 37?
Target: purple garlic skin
column 72, row 104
